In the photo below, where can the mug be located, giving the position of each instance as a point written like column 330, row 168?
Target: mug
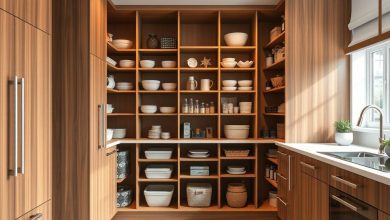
column 110, row 108
column 206, row 84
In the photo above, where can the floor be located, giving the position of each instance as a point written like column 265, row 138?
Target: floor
column 195, row 216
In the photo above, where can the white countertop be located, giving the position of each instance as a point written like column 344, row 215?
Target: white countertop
column 115, row 142
column 312, row 149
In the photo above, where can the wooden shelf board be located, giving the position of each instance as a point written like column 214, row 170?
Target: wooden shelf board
column 120, row 91
column 275, row 114
column 198, row 177
column 279, row 39
column 120, row 114
column 247, row 175
column 198, row 49
column 145, row 180
column 188, row 159
column 111, row 49
column 198, row 115
column 265, row 206
column 158, row 51
column 275, row 90
column 237, row 49
column 142, row 160
column 272, row 182
column 111, row 68
column 145, row 207
column 239, row 114
column 238, row 69
column 198, row 91
column 248, row 208
column 158, row 69
column 184, row 207
column 273, row 160
column 158, row 114
column 199, row 69
column 238, row 91
column 239, row 158
column 157, row 91
column 276, row 66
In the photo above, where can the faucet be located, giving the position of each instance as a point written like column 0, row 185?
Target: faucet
column 381, row 135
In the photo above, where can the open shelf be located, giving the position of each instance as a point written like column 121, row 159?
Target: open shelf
column 118, row 69
column 273, row 160
column 278, row 40
column 198, row 177
column 272, row 182
column 275, row 90
column 276, row 66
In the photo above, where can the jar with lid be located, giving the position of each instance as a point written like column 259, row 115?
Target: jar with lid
column 212, row 108
column 185, row 106
column 191, row 106
column 202, row 108
column 196, row 107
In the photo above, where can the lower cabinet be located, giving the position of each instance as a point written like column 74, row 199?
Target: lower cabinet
column 383, row 216
column 313, row 198
column 111, row 155
column 42, row 212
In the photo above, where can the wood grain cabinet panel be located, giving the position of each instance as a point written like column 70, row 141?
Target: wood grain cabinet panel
column 42, row 212
column 33, row 64
column 283, row 158
column 360, row 187
column 384, row 200
column 313, row 195
column 35, row 12
column 98, row 28
column 383, row 216
column 7, row 5
column 313, row 168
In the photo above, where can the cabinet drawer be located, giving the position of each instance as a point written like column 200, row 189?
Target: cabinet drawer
column 384, row 201
column 282, row 209
column 282, row 187
column 354, row 185
column 283, row 158
column 314, row 168
column 42, row 212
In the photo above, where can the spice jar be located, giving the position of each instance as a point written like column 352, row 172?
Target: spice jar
column 212, row 108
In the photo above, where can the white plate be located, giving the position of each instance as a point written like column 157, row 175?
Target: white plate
column 198, row 151
column 198, row 156
column 236, row 173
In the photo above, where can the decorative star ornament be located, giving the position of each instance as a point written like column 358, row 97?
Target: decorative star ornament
column 205, row 62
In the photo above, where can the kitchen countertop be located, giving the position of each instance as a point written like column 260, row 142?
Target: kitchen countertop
column 312, row 149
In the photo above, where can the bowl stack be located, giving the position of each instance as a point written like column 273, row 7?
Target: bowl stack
column 198, row 153
column 229, row 85
column 245, row 85
column 236, row 131
column 124, row 85
column 119, row 133
column 236, row 170
column 155, row 132
column 229, row 62
column 122, row 43
column 150, row 85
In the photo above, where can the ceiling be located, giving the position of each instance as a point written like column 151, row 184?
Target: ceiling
column 195, row 2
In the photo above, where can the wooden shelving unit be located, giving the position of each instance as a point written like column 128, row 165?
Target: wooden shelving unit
column 185, row 26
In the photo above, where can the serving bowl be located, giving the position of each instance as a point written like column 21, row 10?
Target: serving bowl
column 169, row 86
column 236, row 131
column 246, row 64
column 124, row 85
column 229, row 88
column 167, row 110
column 245, row 83
column 147, row 63
column 236, row 39
column 168, row 64
column 228, row 64
column 149, row 109
column 119, row 133
column 228, row 59
column 245, row 88
column 229, row 83
column 122, row 43
column 126, row 63
column 150, row 85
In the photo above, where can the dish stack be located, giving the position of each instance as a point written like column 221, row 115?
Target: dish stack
column 245, row 85
column 199, row 170
column 158, row 153
column 229, row 62
column 158, row 171
column 111, row 61
column 229, row 85
column 119, row 133
column 124, row 85
column 198, row 153
column 236, row 131
column 236, row 170
column 155, row 132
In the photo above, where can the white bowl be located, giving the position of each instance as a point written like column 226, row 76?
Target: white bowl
column 242, row 88
column 236, row 133
column 126, row 63
column 245, row 83
column 229, row 83
column 109, row 133
column 150, row 85
column 122, row 43
column 228, row 59
column 246, row 64
column 149, row 109
column 167, row 110
column 226, row 88
column 236, row 39
column 169, row 86
column 124, row 86
column 228, row 64
column 168, row 64
column 147, row 63
column 236, row 127
column 109, row 108
column 119, row 133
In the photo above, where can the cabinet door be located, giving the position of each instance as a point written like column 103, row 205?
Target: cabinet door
column 32, row 62
column 42, row 212
column 383, row 216
column 314, row 202
column 34, row 12
column 7, row 5
column 98, row 28
column 7, row 23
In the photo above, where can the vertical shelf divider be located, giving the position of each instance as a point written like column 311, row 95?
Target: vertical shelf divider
column 218, row 107
column 255, row 81
column 137, row 172
column 219, row 177
column 178, row 75
column 178, row 176
column 137, row 77
column 256, row 183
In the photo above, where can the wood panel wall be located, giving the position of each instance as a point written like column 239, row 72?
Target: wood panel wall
column 71, row 109
column 317, row 70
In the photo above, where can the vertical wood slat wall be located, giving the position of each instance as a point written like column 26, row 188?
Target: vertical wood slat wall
column 317, row 69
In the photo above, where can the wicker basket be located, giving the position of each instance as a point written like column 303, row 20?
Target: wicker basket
column 277, row 81
column 275, row 32
column 237, row 153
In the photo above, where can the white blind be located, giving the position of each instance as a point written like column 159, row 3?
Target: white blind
column 364, row 20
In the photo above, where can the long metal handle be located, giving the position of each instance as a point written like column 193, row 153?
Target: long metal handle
column 308, row 165
column 101, row 126
column 280, row 176
column 23, row 126
column 104, row 138
column 345, row 203
column 283, row 154
column 112, row 152
column 14, row 172
column 281, row 200
column 36, row 216
column 345, row 182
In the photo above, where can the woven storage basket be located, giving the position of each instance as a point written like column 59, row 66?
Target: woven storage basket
column 277, row 81
column 280, row 130
column 236, row 153
column 168, row 43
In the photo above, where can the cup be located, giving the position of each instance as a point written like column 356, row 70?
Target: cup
column 206, row 84
column 236, row 109
column 110, row 109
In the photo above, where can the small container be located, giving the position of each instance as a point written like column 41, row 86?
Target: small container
column 191, row 106
column 122, row 167
column 185, row 107
column 207, row 108
column 273, row 198
column 236, row 195
column 152, row 41
column 275, row 174
column 230, row 107
column 124, row 196
column 199, row 194
column 202, row 108
column 225, row 109
column 236, row 109
column 158, row 195
column 267, row 169
column 269, row 60
column 212, row 108
column 196, row 107
column 186, row 129
column 192, row 84
column 158, row 153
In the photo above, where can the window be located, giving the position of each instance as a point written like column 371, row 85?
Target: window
column 369, row 83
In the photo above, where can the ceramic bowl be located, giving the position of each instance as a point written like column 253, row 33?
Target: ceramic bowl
column 124, row 85
column 122, row 43
column 228, row 64
column 236, row 39
column 109, row 108
column 244, row 88
column 168, row 64
column 228, row 88
column 229, row 83
column 167, row 110
column 228, row 59
column 236, row 127
column 109, row 134
column 119, row 133
column 246, row 64
column 149, row 109
column 126, row 63
column 169, row 86
column 150, row 85
column 147, row 63
column 245, row 83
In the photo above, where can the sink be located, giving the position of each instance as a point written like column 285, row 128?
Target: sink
column 351, row 154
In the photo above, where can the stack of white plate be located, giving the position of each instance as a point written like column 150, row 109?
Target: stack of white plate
column 157, row 171
column 198, row 153
column 122, row 43
column 124, row 85
column 229, row 85
column 119, row 133
column 236, row 170
column 155, row 132
column 236, row 131
column 111, row 61
column 245, row 85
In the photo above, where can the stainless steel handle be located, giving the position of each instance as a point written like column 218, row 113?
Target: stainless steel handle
column 23, row 126
column 281, row 200
column 308, row 165
column 112, row 152
column 280, row 176
column 345, row 203
column 283, row 154
column 104, row 138
column 14, row 171
column 345, row 182
column 36, row 216
column 101, row 126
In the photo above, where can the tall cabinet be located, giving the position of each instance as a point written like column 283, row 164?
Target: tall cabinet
column 25, row 116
